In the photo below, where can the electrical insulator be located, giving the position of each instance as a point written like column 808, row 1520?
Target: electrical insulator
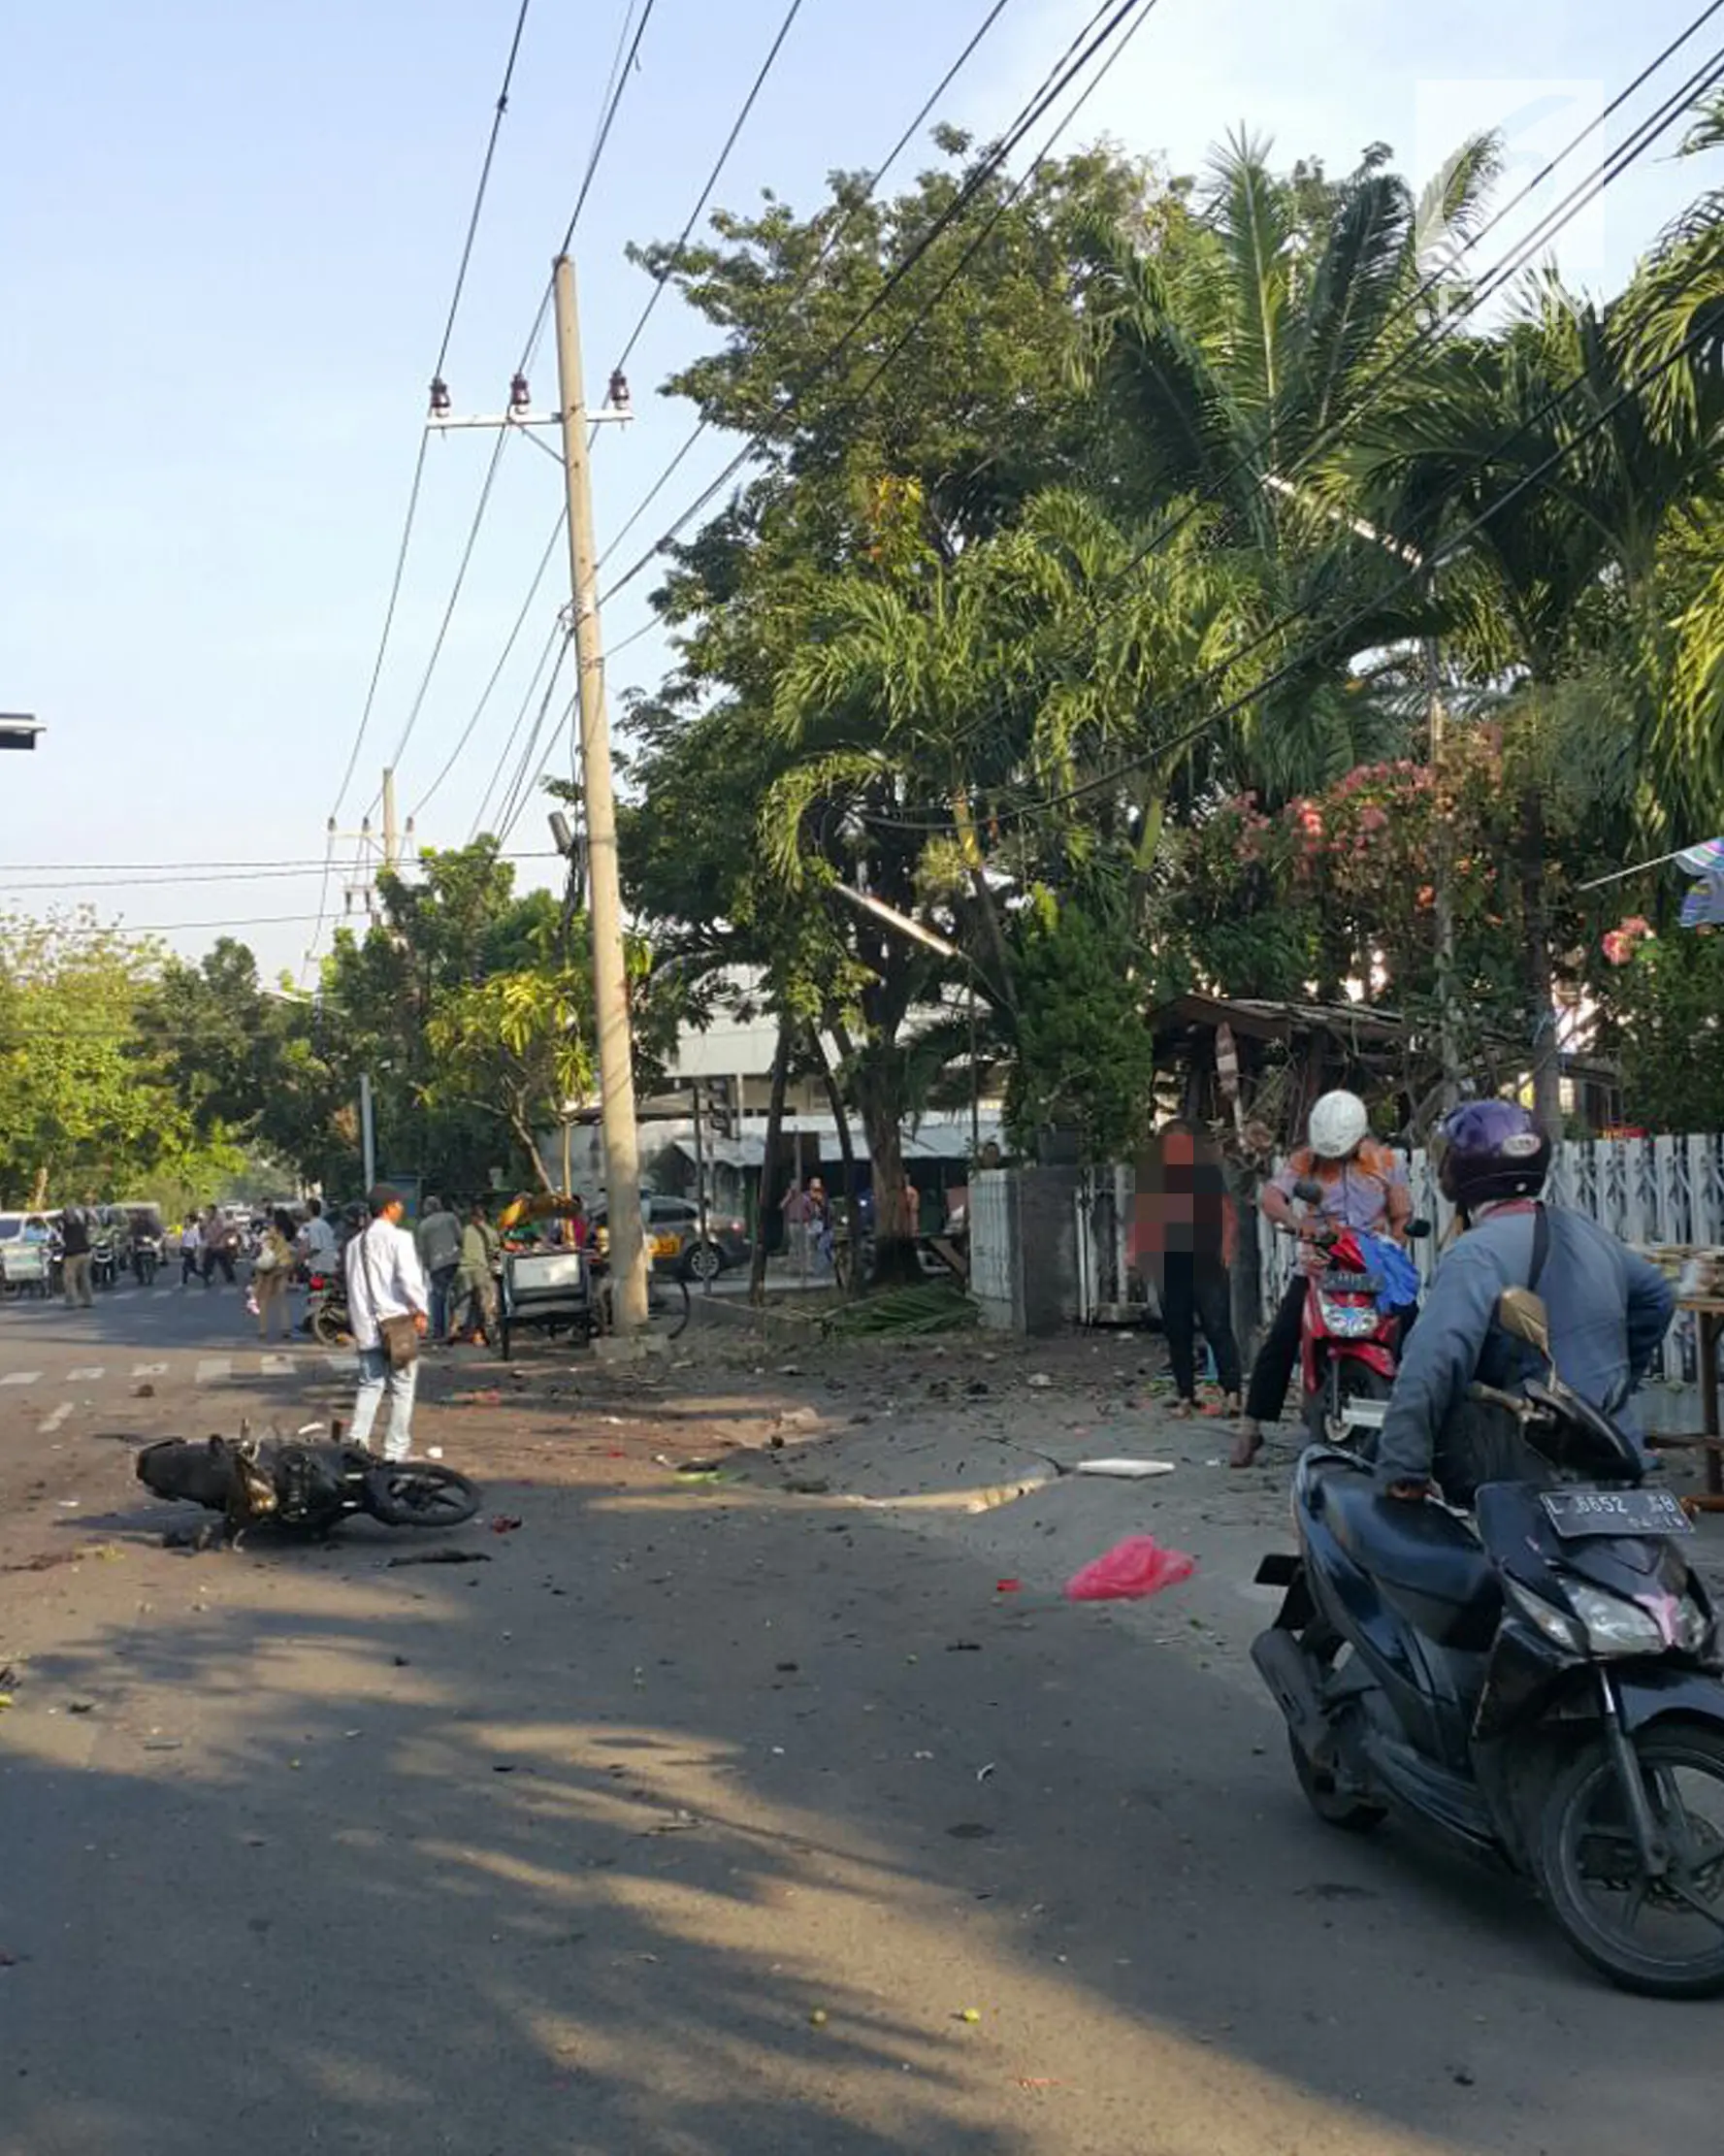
column 439, row 398
column 519, row 396
column 619, row 391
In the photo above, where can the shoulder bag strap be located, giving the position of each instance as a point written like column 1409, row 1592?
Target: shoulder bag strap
column 1540, row 1246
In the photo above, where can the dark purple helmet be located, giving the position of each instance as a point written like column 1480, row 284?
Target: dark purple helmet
column 1491, row 1150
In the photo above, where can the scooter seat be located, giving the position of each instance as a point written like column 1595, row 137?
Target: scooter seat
column 1427, row 1563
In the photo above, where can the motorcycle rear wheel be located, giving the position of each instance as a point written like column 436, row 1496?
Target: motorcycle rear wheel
column 419, row 1493
column 1581, row 1848
column 1346, row 1378
column 1334, row 1805
column 327, row 1333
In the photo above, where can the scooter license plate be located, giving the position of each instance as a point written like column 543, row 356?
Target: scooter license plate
column 1574, row 1513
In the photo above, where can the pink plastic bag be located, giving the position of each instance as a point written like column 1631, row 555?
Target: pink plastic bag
column 1130, row 1570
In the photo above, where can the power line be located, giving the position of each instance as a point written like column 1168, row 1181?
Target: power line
column 1563, row 212
column 253, row 873
column 1703, row 329
column 995, row 10
column 1063, row 73
column 558, row 642
column 418, row 480
column 479, row 711
column 478, row 200
column 608, row 119
column 517, row 788
column 838, row 231
column 442, row 353
column 712, row 180
column 1060, row 75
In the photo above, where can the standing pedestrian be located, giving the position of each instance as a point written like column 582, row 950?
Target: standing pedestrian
column 1191, row 1221
column 439, row 1240
column 797, row 1208
column 191, row 1249
column 77, row 1227
column 820, row 1222
column 316, row 1246
column 386, row 1304
column 218, row 1245
column 272, row 1275
column 473, row 1310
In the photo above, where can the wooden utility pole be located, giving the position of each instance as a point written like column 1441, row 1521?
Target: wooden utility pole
column 610, row 983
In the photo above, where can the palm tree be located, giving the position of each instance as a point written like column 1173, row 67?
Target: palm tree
column 1236, row 364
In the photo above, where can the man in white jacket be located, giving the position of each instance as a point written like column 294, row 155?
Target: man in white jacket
column 384, row 1280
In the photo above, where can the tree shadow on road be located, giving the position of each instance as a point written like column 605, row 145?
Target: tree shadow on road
column 695, row 1824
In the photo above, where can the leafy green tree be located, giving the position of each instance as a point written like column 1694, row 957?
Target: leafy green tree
column 1666, row 1022
column 85, row 1104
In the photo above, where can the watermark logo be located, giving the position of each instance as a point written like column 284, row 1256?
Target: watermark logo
column 1533, row 122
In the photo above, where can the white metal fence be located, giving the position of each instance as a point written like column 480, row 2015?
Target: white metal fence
column 1642, row 1190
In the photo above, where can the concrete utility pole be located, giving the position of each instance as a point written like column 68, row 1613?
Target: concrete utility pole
column 610, row 984
column 391, row 835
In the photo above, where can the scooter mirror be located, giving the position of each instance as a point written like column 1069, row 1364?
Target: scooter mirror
column 1522, row 1314
column 1310, row 1192
column 1418, row 1231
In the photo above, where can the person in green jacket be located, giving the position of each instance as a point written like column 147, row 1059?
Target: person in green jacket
column 472, row 1293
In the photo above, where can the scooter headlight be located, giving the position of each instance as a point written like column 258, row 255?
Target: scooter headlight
column 1558, row 1626
column 1349, row 1321
column 1690, row 1626
column 1612, row 1626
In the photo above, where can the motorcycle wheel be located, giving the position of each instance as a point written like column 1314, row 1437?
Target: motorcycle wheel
column 1662, row 1937
column 1346, row 1378
column 419, row 1493
column 328, row 1332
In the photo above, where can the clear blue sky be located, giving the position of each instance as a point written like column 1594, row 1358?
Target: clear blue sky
column 227, row 237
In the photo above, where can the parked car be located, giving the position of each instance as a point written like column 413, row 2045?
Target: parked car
column 674, row 1225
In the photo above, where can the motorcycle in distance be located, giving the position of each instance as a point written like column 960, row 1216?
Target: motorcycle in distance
column 326, row 1311
column 105, row 1256
column 1348, row 1346
column 306, row 1488
column 1538, row 1683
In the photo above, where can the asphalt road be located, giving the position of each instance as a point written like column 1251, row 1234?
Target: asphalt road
column 695, row 1820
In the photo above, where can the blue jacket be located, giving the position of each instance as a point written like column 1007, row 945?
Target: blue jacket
column 1609, row 1311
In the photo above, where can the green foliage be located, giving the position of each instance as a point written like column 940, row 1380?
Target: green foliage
column 1666, row 1024
column 87, row 1104
column 1084, row 1059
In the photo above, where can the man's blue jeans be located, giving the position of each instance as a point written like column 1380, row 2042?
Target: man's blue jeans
column 376, row 1378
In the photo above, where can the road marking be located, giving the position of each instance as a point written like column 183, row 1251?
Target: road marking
column 342, row 1362
column 278, row 1365
column 87, row 1374
column 20, row 1376
column 51, row 1422
column 150, row 1370
column 212, row 1367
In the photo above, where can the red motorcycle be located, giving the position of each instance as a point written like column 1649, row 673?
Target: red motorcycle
column 1347, row 1346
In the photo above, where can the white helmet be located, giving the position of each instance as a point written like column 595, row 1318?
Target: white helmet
column 1338, row 1121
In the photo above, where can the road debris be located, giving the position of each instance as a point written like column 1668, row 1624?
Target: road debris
column 1126, row 1470
column 1130, row 1570
column 441, row 1557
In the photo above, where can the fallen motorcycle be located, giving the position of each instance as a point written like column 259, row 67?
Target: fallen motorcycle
column 304, row 1488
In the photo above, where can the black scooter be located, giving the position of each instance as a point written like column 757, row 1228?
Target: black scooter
column 1539, row 1683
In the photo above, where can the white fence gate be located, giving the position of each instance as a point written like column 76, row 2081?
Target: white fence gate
column 1642, row 1190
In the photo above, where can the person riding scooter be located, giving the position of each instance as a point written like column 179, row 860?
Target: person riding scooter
column 1608, row 1310
column 1363, row 1187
